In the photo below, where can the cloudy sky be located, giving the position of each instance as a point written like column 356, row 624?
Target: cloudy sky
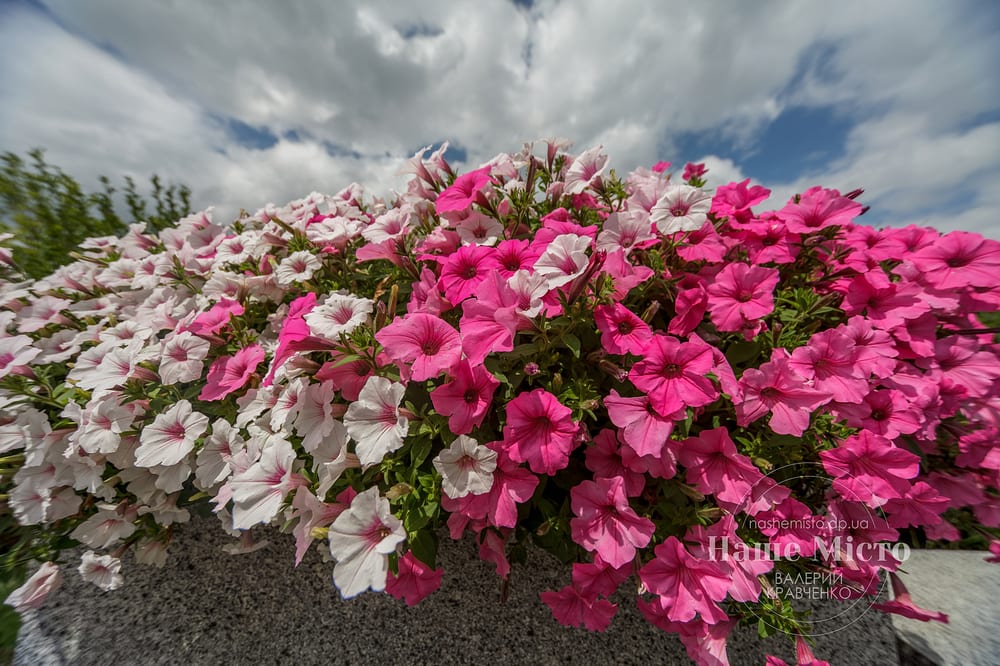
column 257, row 102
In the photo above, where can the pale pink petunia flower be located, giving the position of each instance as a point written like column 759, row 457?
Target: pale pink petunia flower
column 16, row 352
column 104, row 571
column 681, row 208
column 428, row 343
column 297, row 267
column 338, row 315
column 625, row 231
column 33, row 593
column 361, row 540
column 466, row 468
column 479, row 229
column 182, row 358
column 564, row 260
column 389, row 225
column 585, row 171
column 171, row 436
column 104, row 529
column 43, row 311
column 259, row 491
column 373, row 421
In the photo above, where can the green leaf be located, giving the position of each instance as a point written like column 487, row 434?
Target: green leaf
column 573, row 343
column 419, row 451
column 424, row 545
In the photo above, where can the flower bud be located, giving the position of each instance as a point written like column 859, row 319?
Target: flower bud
column 397, row 491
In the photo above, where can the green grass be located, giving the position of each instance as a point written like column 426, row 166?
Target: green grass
column 9, row 620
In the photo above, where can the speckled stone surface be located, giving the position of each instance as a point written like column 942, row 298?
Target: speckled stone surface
column 207, row 607
column 966, row 587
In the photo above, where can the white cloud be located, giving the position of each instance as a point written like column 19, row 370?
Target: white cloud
column 383, row 77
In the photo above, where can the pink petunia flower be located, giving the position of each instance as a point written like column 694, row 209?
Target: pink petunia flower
column 216, row 318
column 572, row 608
column 714, row 466
column 512, row 485
column 741, row 293
column 466, row 398
column 461, row 194
column 778, row 389
column 867, row 468
column 735, row 199
column 922, row 505
column 605, row 524
column 464, row 270
column 539, row 431
column 426, row 342
column 644, row 430
column 622, row 331
column 231, row 373
column 672, row 374
column 829, row 362
column 959, row 259
column 604, row 459
column 515, row 255
column 414, row 580
column 818, row 208
column 903, row 605
column 688, row 586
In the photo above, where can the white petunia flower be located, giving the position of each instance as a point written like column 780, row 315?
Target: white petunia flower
column 479, row 229
column 16, row 351
column 339, row 314
column 259, row 490
column 361, row 539
column 530, row 289
column 182, row 358
column 624, row 230
column 391, row 224
column 466, row 468
column 564, row 260
column 297, row 267
column 104, row 529
column 585, row 170
column 681, row 208
column 36, row 589
column 171, row 436
column 103, row 571
column 374, row 421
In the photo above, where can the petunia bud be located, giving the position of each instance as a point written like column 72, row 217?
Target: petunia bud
column 397, row 491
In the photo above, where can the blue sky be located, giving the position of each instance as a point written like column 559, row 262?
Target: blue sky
column 260, row 102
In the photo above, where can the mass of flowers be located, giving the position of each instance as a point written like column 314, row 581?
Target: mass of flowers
column 624, row 372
